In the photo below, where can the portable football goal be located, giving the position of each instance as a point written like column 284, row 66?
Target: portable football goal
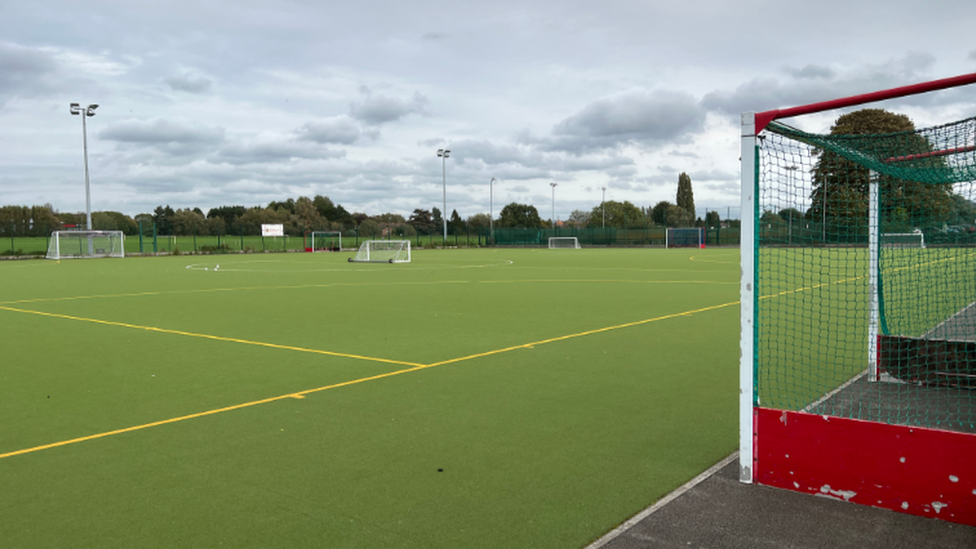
column 86, row 244
column 563, row 243
column 858, row 316
column 383, row 251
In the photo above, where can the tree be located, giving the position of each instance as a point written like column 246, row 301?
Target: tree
column 579, row 218
column 187, row 222
column 422, row 221
column 840, row 187
column 676, row 216
column 659, row 213
column 228, row 213
column 305, row 214
column 479, row 221
column 436, row 220
column 370, row 228
column 622, row 215
column 519, row 215
column 713, row 219
column 163, row 217
column 456, row 224
column 686, row 197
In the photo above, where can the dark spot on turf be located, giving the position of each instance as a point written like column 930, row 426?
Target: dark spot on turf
column 440, row 470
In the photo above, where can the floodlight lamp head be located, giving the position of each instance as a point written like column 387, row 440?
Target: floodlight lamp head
column 91, row 109
column 75, row 108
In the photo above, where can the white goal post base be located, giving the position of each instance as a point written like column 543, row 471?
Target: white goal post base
column 563, row 243
column 383, row 251
column 86, row 244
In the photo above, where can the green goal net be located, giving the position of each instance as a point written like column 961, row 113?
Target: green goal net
column 865, row 259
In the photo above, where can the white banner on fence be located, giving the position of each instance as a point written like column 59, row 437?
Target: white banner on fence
column 272, row 230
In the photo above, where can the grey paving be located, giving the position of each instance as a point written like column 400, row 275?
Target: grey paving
column 720, row 512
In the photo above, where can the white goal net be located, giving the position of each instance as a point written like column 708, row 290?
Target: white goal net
column 563, row 242
column 691, row 237
column 83, row 244
column 383, row 251
column 326, row 241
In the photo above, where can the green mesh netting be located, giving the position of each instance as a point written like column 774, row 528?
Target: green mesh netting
column 814, row 250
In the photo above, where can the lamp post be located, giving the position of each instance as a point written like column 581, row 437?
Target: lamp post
column 789, row 212
column 444, row 154
column 491, row 215
column 90, row 111
column 603, row 207
column 553, row 218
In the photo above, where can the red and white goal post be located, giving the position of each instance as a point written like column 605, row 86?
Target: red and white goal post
column 858, row 308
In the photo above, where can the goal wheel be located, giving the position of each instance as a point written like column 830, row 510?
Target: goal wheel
column 391, row 261
column 350, row 259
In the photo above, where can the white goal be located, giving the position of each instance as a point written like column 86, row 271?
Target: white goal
column 326, row 241
column 563, row 243
column 692, row 237
column 913, row 239
column 83, row 244
column 383, row 251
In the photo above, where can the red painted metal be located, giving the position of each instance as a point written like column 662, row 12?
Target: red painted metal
column 945, row 152
column 764, row 118
column 919, row 471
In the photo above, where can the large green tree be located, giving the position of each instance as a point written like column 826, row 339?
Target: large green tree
column 686, row 197
column 519, row 215
column 659, row 213
column 840, row 187
column 622, row 215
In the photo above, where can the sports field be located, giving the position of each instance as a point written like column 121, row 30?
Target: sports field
column 471, row 398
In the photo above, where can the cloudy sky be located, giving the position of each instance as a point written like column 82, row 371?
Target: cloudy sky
column 241, row 103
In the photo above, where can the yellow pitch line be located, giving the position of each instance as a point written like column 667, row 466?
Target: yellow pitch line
column 213, row 337
column 586, row 333
column 298, row 395
column 301, row 394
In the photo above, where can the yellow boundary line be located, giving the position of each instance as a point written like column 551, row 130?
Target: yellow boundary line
column 301, row 394
column 208, row 336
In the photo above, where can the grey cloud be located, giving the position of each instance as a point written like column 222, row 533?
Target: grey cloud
column 972, row 56
column 189, row 84
column 636, row 116
column 341, row 130
column 23, row 70
column 158, row 131
column 378, row 109
column 811, row 72
column 281, row 150
column 435, row 36
column 769, row 93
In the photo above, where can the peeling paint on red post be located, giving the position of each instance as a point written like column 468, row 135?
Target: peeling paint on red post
column 925, row 472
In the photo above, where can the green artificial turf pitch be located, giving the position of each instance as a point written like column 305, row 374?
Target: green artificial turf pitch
column 471, row 398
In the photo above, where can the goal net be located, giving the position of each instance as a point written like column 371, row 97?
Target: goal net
column 383, row 251
column 563, row 242
column 858, row 298
column 85, row 244
column 691, row 237
column 914, row 239
column 325, row 241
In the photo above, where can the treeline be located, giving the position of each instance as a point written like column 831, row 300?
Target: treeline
column 301, row 215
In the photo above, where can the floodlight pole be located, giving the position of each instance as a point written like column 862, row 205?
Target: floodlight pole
column 603, row 206
column 90, row 111
column 444, row 154
column 491, row 215
column 553, row 218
